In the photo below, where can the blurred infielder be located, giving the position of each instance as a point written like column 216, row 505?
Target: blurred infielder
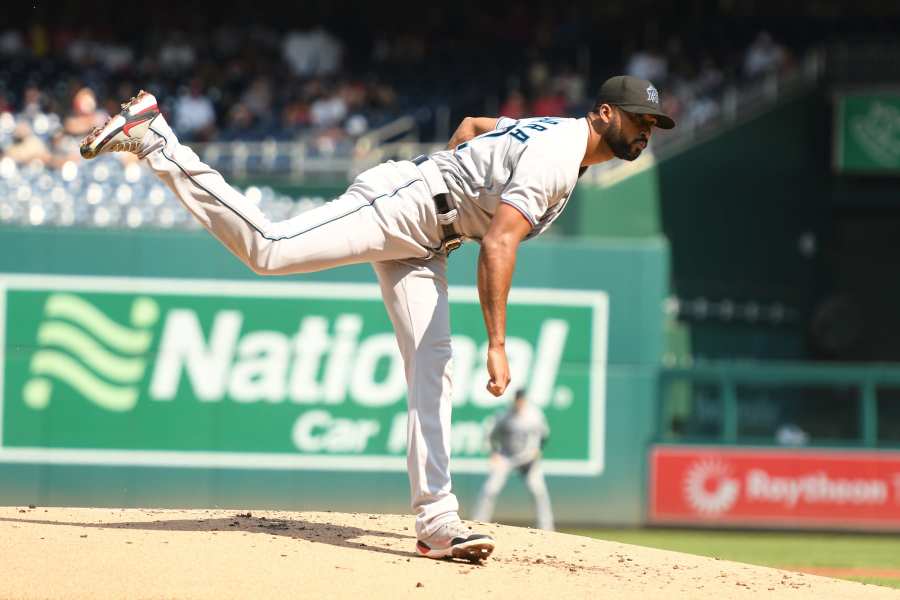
column 500, row 182
column 517, row 439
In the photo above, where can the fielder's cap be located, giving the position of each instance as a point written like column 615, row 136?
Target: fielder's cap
column 635, row 95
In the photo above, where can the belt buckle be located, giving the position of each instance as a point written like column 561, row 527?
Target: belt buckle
column 451, row 244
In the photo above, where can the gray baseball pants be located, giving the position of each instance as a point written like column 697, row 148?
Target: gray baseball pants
column 532, row 473
column 386, row 217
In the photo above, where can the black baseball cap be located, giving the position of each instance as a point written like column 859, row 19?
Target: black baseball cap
column 635, row 95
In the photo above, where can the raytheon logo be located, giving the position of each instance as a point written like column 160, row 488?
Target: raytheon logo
column 709, row 487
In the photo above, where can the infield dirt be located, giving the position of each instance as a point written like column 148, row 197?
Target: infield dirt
column 134, row 553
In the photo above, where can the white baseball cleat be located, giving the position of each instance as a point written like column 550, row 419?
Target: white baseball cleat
column 455, row 540
column 125, row 131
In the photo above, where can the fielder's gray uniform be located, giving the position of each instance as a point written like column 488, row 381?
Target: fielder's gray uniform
column 517, row 438
column 387, row 217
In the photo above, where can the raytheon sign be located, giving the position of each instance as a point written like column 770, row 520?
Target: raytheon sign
column 731, row 486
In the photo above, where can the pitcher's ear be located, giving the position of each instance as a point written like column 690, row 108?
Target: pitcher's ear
column 605, row 112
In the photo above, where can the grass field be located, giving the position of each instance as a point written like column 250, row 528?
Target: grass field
column 867, row 558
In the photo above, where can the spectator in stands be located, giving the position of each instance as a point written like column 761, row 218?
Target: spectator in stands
column 194, row 113
column 64, row 148
column 764, row 56
column 26, row 147
column 538, row 75
column 411, row 48
column 328, row 110
column 551, row 102
column 258, row 99
column 312, row 53
column 672, row 105
column 710, row 78
column 648, row 63
column 11, row 43
column 698, row 94
column 515, row 106
column 356, row 125
column 296, row 114
column 116, row 57
column 356, row 95
column 698, row 109
column 177, row 54
column 572, row 86
column 380, row 95
column 5, row 104
column 406, row 48
column 241, row 125
column 84, row 116
column 79, row 48
column 33, row 102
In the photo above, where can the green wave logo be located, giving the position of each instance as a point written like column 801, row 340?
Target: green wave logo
column 101, row 359
column 878, row 133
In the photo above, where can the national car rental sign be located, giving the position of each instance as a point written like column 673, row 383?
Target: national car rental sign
column 272, row 375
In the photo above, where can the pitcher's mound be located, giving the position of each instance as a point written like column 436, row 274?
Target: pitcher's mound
column 103, row 553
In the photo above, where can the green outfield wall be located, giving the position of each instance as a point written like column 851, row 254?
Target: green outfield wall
column 153, row 369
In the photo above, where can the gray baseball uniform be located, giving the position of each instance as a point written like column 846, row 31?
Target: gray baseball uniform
column 516, row 438
column 387, row 217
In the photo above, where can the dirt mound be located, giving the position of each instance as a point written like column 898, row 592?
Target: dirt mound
column 103, row 553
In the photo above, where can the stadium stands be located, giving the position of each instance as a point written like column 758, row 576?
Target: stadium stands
column 106, row 193
column 276, row 99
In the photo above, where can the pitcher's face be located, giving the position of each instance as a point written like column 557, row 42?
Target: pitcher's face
column 628, row 133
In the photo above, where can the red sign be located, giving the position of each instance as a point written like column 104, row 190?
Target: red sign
column 789, row 488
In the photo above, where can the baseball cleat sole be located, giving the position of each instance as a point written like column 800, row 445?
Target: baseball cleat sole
column 473, row 551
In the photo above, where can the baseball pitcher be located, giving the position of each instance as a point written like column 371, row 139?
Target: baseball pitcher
column 500, row 182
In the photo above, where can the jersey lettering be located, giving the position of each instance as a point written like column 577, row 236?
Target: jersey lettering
column 514, row 132
column 519, row 135
column 541, row 125
column 492, row 134
column 499, row 132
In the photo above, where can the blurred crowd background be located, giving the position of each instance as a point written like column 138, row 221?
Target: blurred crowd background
column 341, row 70
column 323, row 91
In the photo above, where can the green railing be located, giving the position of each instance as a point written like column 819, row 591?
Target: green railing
column 728, row 377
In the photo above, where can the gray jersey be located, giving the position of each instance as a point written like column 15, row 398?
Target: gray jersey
column 530, row 164
column 519, row 435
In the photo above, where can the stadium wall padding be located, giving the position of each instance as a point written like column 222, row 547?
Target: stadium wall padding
column 45, row 418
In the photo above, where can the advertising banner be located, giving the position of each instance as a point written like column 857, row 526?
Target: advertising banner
column 787, row 488
column 279, row 375
column 867, row 133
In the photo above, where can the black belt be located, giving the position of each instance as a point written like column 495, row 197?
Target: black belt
column 446, row 215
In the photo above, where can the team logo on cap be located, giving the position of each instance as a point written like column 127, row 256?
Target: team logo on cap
column 652, row 95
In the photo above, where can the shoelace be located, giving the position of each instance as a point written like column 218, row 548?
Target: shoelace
column 126, row 146
column 132, row 101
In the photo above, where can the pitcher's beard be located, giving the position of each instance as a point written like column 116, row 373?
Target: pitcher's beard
column 622, row 148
